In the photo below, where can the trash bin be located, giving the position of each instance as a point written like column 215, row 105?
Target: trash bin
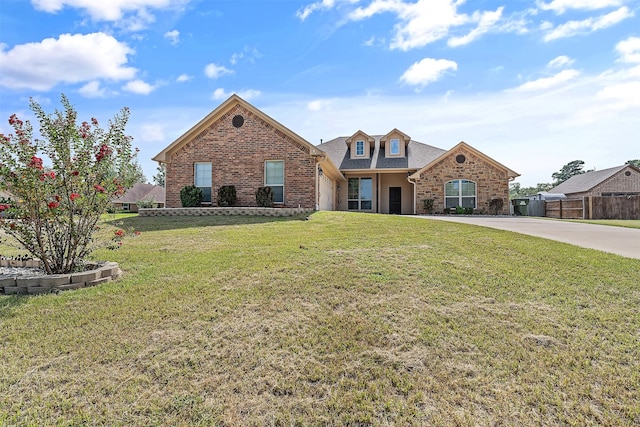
column 520, row 206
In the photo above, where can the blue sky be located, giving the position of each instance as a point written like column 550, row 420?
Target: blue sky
column 533, row 84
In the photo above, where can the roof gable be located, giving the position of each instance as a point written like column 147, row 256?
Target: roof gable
column 232, row 102
column 406, row 138
column 464, row 146
column 359, row 134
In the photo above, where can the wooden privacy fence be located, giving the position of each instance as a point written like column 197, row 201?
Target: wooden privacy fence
column 567, row 208
column 613, row 207
column 594, row 207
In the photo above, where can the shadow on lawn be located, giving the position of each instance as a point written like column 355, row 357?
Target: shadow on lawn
column 159, row 223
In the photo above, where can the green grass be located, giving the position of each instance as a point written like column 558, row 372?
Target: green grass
column 345, row 319
column 629, row 223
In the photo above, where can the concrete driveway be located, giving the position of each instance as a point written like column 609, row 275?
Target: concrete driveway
column 617, row 240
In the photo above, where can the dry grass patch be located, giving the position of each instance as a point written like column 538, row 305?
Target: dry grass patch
column 313, row 323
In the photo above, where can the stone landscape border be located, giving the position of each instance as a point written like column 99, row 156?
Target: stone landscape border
column 95, row 274
column 249, row 211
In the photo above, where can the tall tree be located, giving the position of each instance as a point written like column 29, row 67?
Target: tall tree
column 570, row 169
column 158, row 178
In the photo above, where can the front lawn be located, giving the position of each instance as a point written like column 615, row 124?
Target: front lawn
column 342, row 319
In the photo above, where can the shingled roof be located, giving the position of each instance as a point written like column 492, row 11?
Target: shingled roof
column 418, row 155
column 586, row 181
column 141, row 191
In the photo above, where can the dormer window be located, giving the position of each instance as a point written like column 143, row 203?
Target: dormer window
column 359, row 148
column 395, row 147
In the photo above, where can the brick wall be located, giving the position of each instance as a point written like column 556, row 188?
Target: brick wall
column 492, row 182
column 238, row 155
column 619, row 183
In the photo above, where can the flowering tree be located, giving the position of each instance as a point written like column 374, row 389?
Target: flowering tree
column 54, row 207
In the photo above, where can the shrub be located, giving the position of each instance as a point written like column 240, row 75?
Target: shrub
column 227, row 195
column 460, row 210
column 191, row 196
column 495, row 206
column 264, row 197
column 147, row 203
column 428, row 205
column 59, row 204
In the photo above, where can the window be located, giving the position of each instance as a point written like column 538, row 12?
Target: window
column 360, row 194
column 202, row 179
column 126, row 207
column 460, row 192
column 359, row 148
column 394, row 150
column 274, row 178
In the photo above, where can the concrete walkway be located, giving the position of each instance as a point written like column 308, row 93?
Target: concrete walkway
column 617, row 240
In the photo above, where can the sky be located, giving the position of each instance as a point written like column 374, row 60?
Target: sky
column 534, row 84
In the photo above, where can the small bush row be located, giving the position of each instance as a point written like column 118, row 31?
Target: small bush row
column 191, row 196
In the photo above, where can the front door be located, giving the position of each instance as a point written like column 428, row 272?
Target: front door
column 395, row 200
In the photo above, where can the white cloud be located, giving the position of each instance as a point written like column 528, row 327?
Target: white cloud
column 68, row 59
column 425, row 21
column 138, row 86
column 486, row 22
column 110, row 10
column 183, row 78
column 151, row 132
column 249, row 55
column 572, row 28
column 617, row 95
column 561, row 6
column 544, row 83
column 173, row 36
column 92, row 90
column 220, row 94
column 560, row 61
column 426, row 71
column 319, row 5
column 319, row 104
column 213, row 71
column 629, row 50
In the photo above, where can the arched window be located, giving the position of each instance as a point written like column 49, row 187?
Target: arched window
column 460, row 192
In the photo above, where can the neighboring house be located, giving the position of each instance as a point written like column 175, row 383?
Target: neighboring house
column 147, row 192
column 237, row 144
column 618, row 181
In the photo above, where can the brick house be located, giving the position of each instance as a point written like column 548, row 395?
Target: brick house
column 128, row 202
column 237, row 144
column 617, row 181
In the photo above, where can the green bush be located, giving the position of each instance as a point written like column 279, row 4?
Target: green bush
column 264, row 197
column 227, row 195
column 147, row 203
column 191, row 196
column 428, row 205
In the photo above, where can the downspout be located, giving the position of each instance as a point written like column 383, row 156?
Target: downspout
column 415, row 195
column 318, row 158
column 317, row 186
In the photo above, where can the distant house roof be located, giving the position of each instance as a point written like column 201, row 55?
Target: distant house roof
column 418, row 154
column 141, row 191
column 586, row 181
